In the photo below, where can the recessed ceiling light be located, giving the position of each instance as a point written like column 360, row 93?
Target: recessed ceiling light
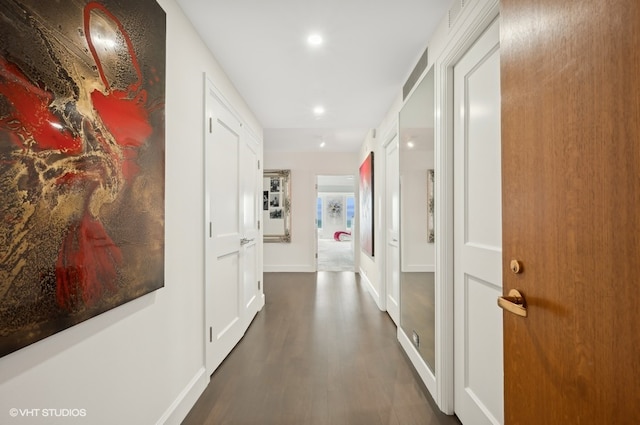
column 410, row 144
column 322, row 145
column 318, row 110
column 314, row 40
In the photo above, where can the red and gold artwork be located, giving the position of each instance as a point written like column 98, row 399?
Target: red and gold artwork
column 366, row 206
column 81, row 161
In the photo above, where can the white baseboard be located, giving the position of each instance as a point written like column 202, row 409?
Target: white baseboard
column 419, row 364
column 289, row 269
column 187, row 398
column 372, row 289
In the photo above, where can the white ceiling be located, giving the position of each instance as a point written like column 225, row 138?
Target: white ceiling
column 369, row 50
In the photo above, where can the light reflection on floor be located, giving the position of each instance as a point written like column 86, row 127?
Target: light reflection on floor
column 335, row 256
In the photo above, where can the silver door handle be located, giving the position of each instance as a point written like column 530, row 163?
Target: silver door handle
column 245, row 241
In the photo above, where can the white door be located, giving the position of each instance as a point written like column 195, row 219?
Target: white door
column 224, row 269
column 478, row 233
column 251, row 203
column 393, row 229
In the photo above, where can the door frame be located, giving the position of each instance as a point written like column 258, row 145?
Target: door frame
column 471, row 24
column 392, row 135
column 315, row 224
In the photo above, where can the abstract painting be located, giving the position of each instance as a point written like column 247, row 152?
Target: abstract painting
column 82, row 122
column 335, row 206
column 366, row 205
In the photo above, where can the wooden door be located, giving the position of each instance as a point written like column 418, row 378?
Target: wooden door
column 477, row 232
column 570, row 77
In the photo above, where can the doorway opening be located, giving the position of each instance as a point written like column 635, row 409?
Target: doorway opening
column 335, row 215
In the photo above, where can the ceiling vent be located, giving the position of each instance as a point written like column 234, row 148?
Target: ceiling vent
column 415, row 74
column 455, row 10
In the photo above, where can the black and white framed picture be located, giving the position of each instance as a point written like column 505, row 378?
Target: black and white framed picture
column 274, row 200
column 275, row 184
column 275, row 214
column 276, row 206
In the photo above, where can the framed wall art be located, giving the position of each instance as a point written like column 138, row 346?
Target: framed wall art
column 335, row 208
column 366, row 206
column 276, row 214
column 82, row 133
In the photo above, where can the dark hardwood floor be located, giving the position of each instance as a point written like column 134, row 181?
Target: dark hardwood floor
column 320, row 352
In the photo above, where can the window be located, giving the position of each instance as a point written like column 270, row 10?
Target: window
column 319, row 213
column 351, row 210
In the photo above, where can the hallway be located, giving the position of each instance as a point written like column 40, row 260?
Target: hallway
column 320, row 352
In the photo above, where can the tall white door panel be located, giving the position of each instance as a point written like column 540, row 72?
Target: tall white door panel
column 251, row 197
column 478, row 233
column 224, row 221
column 393, row 230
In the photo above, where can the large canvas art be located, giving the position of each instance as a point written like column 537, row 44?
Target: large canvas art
column 366, row 205
column 81, row 161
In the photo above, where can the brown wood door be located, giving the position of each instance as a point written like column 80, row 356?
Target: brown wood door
column 570, row 81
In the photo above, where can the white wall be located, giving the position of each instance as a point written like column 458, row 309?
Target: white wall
column 372, row 268
column 143, row 362
column 299, row 255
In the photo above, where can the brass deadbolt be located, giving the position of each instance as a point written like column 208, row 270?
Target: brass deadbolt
column 516, row 266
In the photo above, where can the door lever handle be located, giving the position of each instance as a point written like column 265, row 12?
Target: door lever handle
column 245, row 241
column 513, row 303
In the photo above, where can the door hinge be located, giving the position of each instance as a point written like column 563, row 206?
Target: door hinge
column 316, row 255
column 210, row 334
column 210, row 229
column 258, row 164
column 258, row 285
column 258, row 224
column 210, row 125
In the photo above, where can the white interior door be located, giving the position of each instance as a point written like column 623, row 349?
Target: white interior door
column 251, row 203
column 393, row 229
column 478, row 233
column 224, row 268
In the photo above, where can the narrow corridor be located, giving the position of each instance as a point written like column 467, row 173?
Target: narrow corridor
column 320, row 352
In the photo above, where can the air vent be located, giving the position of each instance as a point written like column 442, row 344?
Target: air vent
column 415, row 74
column 455, row 11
